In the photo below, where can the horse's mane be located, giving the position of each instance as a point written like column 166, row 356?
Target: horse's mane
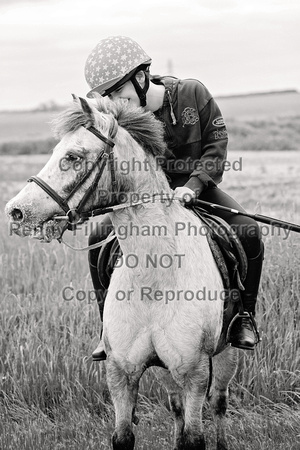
column 142, row 125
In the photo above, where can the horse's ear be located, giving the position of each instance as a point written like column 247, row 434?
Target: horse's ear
column 75, row 98
column 85, row 106
column 88, row 112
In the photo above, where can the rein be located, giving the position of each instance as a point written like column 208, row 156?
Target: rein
column 100, row 211
column 76, row 215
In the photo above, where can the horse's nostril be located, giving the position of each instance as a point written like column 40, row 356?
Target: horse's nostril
column 17, row 214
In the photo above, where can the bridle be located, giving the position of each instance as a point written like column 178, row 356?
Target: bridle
column 76, row 215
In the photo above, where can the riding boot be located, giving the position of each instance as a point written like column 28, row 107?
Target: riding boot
column 99, row 353
column 243, row 331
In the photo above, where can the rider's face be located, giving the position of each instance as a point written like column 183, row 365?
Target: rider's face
column 126, row 92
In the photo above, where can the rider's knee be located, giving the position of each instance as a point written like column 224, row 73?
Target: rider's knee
column 250, row 236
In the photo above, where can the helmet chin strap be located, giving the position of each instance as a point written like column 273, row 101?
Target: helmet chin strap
column 141, row 92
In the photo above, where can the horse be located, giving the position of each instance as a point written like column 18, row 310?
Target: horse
column 165, row 303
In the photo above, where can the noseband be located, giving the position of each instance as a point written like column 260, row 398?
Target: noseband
column 76, row 215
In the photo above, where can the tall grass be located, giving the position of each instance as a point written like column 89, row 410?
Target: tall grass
column 53, row 396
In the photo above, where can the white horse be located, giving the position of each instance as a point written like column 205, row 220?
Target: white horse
column 165, row 301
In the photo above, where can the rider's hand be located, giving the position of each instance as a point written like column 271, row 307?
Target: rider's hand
column 184, row 194
column 195, row 184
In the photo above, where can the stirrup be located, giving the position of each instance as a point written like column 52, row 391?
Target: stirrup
column 239, row 316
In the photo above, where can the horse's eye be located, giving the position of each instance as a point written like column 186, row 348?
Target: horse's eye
column 71, row 157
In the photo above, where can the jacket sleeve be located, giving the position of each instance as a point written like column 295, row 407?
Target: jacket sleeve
column 214, row 141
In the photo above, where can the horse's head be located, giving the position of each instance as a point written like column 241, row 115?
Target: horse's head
column 84, row 172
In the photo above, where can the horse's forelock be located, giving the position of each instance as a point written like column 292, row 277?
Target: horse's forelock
column 69, row 121
column 73, row 118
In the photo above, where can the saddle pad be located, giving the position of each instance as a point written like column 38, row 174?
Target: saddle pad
column 227, row 244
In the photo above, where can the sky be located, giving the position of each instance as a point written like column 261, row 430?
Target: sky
column 232, row 46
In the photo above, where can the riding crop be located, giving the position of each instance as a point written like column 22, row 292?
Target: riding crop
column 257, row 217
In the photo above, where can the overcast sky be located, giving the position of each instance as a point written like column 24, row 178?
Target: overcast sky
column 232, row 46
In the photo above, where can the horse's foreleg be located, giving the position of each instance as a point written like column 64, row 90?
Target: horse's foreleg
column 123, row 389
column 224, row 368
column 175, row 400
column 195, row 383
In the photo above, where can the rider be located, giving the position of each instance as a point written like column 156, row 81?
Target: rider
column 196, row 134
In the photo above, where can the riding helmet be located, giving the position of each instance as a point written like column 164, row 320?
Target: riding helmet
column 113, row 62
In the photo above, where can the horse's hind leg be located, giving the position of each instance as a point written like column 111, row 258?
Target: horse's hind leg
column 124, row 390
column 224, row 368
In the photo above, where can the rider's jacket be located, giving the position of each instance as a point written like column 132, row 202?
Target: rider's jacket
column 194, row 130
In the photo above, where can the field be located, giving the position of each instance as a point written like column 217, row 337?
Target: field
column 257, row 122
column 52, row 395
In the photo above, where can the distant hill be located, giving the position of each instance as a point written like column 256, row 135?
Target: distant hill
column 45, row 107
column 251, row 94
column 263, row 105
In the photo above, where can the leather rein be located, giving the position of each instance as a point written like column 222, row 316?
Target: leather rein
column 76, row 215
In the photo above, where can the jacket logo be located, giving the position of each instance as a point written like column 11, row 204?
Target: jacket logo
column 220, row 134
column 218, row 122
column 189, row 116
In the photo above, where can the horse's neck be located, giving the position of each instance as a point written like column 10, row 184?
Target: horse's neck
column 145, row 182
column 150, row 228
column 158, row 210
column 148, row 233
column 141, row 219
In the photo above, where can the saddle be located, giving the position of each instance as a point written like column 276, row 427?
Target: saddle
column 229, row 256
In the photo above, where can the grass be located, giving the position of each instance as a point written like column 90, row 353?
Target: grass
column 53, row 396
